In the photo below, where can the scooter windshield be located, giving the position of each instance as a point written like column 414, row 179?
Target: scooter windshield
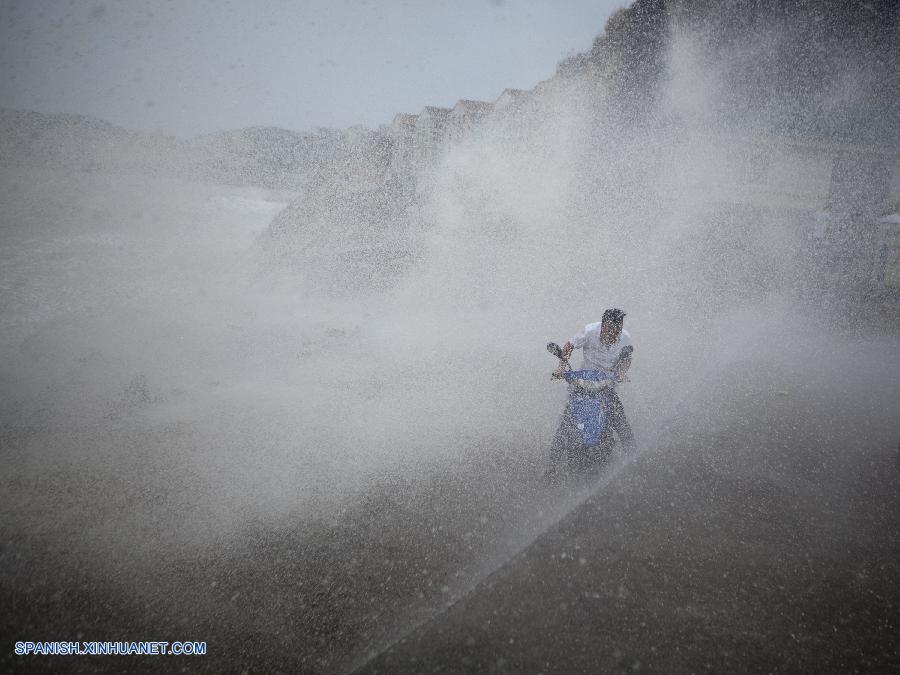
column 590, row 381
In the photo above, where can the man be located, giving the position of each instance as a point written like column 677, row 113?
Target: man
column 602, row 345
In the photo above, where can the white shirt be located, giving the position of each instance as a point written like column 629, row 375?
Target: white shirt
column 597, row 356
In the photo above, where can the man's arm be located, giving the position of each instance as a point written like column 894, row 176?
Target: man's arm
column 622, row 368
column 623, row 363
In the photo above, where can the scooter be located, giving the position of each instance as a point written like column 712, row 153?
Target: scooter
column 582, row 438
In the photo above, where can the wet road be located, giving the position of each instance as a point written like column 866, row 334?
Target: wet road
column 757, row 532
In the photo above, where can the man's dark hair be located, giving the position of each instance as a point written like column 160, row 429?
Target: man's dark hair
column 614, row 316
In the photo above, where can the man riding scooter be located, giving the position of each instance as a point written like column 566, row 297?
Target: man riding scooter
column 607, row 349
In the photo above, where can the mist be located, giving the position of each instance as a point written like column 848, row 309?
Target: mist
column 306, row 414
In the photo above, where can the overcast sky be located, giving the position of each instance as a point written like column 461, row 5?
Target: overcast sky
column 192, row 66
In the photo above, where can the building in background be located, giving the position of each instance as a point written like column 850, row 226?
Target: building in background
column 465, row 117
column 431, row 134
column 402, row 132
